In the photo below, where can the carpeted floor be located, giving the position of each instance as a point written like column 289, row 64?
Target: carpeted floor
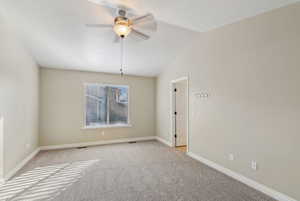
column 145, row 171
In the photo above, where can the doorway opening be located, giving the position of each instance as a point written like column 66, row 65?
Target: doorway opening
column 179, row 114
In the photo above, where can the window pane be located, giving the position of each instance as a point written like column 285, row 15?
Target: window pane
column 106, row 105
column 118, row 105
column 96, row 105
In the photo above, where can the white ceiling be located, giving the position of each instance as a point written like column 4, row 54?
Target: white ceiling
column 55, row 31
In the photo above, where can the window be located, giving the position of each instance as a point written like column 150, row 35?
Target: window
column 106, row 105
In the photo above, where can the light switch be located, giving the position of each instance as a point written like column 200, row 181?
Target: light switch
column 254, row 165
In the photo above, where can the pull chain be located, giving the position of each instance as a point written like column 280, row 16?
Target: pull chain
column 122, row 55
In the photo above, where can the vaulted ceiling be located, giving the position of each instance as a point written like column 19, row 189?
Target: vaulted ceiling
column 55, row 31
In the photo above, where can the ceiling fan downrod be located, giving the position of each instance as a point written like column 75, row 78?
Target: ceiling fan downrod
column 122, row 55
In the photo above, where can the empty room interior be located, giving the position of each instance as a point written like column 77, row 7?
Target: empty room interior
column 148, row 100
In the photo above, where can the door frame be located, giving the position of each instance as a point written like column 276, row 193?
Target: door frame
column 172, row 109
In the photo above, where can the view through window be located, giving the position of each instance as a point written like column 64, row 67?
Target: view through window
column 106, row 105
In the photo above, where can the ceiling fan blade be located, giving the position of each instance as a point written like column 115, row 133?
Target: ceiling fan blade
column 100, row 25
column 147, row 26
column 117, row 39
column 147, row 17
column 140, row 34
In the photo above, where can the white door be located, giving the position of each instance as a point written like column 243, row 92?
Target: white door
column 181, row 113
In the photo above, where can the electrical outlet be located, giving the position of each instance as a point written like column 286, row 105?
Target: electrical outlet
column 231, row 157
column 103, row 133
column 254, row 165
column 27, row 145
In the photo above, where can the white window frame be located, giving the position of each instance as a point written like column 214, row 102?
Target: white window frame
column 105, row 126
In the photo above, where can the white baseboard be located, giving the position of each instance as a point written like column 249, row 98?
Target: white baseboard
column 268, row 191
column 20, row 165
column 164, row 141
column 262, row 188
column 64, row 146
column 87, row 144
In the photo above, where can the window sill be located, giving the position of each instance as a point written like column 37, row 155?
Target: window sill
column 108, row 126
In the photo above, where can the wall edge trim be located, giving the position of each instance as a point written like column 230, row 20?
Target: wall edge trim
column 20, row 165
column 169, row 144
column 96, row 143
column 249, row 182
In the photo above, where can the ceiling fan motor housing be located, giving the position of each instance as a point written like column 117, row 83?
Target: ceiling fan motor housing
column 122, row 26
column 121, row 12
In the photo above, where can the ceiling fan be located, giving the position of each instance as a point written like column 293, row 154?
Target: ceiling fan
column 126, row 21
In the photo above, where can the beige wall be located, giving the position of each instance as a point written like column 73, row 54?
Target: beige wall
column 1, row 148
column 18, row 99
column 62, row 107
column 251, row 69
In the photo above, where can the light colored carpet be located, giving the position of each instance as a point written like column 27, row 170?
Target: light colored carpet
column 43, row 183
column 145, row 171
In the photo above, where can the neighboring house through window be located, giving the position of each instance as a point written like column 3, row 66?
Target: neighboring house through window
column 106, row 105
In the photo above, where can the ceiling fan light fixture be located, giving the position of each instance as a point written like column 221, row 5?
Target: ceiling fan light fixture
column 122, row 26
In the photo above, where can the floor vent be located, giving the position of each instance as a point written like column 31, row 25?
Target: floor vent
column 81, row 147
column 132, row 142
